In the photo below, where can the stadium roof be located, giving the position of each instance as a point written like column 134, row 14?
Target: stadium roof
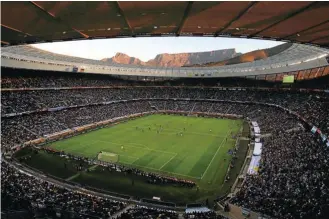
column 31, row 22
column 291, row 55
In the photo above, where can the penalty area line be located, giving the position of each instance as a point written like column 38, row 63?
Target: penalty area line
column 145, row 148
column 168, row 161
column 151, row 168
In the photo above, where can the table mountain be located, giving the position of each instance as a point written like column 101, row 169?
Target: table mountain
column 175, row 60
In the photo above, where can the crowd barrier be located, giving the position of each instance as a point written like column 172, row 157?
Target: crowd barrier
column 254, row 165
column 257, row 151
column 197, row 209
column 316, row 131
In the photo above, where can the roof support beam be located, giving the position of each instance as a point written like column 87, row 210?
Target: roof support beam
column 286, row 17
column 13, row 29
column 320, row 38
column 4, row 42
column 250, row 5
column 184, row 18
column 57, row 19
column 120, row 11
column 307, row 29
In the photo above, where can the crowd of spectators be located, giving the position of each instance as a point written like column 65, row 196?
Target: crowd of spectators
column 24, row 196
column 56, row 81
column 293, row 176
column 312, row 106
column 293, row 180
column 19, row 129
column 141, row 212
column 203, row 215
column 24, row 192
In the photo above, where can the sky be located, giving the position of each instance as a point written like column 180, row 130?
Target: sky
column 148, row 47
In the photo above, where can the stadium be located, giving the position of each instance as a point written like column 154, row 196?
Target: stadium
column 241, row 137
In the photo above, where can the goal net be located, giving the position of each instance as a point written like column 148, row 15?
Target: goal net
column 108, row 157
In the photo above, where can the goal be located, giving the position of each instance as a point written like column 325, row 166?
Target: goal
column 108, row 157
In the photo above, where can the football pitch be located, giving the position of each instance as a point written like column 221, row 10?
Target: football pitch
column 192, row 148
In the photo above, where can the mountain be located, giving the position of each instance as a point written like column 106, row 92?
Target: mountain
column 248, row 57
column 175, row 60
column 121, row 58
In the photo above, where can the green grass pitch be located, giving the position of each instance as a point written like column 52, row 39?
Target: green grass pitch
column 192, row 148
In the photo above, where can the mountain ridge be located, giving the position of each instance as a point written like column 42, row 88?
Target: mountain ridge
column 175, row 59
column 248, row 57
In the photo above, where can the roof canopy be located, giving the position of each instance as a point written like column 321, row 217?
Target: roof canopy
column 30, row 22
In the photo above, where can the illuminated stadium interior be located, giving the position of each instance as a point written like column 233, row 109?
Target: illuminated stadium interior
column 243, row 137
